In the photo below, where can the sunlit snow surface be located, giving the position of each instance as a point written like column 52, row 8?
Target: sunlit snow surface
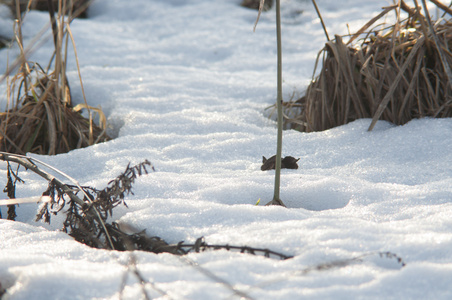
column 185, row 84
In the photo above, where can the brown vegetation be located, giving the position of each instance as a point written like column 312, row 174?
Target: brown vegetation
column 396, row 73
column 254, row 4
column 78, row 8
column 44, row 121
column 40, row 117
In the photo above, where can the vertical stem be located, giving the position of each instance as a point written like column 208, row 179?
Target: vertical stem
column 321, row 20
column 279, row 106
column 53, row 22
column 442, row 56
column 20, row 42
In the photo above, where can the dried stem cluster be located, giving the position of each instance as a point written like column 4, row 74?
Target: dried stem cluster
column 40, row 117
column 396, row 73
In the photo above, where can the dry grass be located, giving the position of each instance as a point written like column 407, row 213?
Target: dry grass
column 394, row 73
column 43, row 5
column 254, row 4
column 44, row 122
column 40, row 117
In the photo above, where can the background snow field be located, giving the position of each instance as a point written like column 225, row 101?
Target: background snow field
column 185, row 84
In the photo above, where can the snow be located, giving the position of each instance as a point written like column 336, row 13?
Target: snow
column 185, row 84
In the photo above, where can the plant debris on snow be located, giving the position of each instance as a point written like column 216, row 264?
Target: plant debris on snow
column 288, row 162
column 254, row 4
column 89, row 208
column 394, row 73
column 78, row 8
column 40, row 115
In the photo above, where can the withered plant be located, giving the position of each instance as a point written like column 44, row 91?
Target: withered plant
column 279, row 100
column 255, row 4
column 40, row 116
column 77, row 8
column 87, row 210
column 389, row 72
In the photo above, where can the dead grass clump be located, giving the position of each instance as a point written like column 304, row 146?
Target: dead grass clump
column 39, row 116
column 395, row 73
column 254, row 4
column 77, row 8
column 44, row 122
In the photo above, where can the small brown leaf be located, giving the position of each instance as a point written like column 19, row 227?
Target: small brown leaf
column 287, row 162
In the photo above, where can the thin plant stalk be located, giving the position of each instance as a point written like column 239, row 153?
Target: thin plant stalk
column 321, row 20
column 442, row 56
column 20, row 42
column 276, row 198
column 30, row 163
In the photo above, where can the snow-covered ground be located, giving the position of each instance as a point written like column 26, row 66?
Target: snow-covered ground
column 185, row 84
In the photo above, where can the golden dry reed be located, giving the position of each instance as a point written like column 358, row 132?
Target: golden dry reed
column 393, row 72
column 40, row 117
